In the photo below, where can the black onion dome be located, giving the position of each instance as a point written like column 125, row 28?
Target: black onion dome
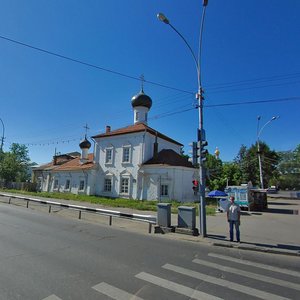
column 85, row 144
column 141, row 99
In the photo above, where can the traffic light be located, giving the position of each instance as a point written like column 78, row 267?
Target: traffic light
column 195, row 186
column 195, row 153
column 198, row 150
column 203, row 151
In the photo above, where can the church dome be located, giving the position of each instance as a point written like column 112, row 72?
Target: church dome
column 85, row 144
column 141, row 99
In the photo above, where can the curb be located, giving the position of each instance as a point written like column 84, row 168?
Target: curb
column 257, row 248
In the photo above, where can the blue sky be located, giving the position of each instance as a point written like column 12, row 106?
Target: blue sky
column 250, row 54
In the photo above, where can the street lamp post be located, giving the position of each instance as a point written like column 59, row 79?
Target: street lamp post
column 200, row 98
column 259, row 131
column 2, row 139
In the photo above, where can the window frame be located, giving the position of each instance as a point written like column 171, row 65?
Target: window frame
column 164, row 190
column 109, row 150
column 55, row 184
column 126, row 154
column 106, row 185
column 67, row 184
column 124, row 189
column 81, row 188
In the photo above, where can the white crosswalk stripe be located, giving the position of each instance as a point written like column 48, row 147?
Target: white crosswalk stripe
column 255, row 276
column 254, row 264
column 225, row 283
column 114, row 292
column 52, row 297
column 175, row 287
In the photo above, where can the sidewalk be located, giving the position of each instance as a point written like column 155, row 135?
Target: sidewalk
column 275, row 230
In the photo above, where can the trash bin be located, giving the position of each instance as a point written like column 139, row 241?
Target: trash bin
column 164, row 214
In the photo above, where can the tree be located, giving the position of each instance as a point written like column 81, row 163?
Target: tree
column 247, row 160
column 244, row 163
column 214, row 171
column 232, row 174
column 270, row 160
column 289, row 169
column 14, row 164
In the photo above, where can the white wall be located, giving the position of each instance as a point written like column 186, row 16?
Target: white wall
column 75, row 177
column 141, row 145
column 178, row 179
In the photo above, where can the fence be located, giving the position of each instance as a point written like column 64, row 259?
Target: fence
column 110, row 213
column 24, row 186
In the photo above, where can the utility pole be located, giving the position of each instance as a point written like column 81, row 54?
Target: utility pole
column 201, row 138
column 259, row 131
column 2, row 138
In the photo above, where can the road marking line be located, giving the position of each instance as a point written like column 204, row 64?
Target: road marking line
column 254, row 264
column 52, row 297
column 114, row 292
column 225, row 283
column 175, row 287
column 255, row 276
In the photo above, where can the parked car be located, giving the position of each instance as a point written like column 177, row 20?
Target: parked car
column 272, row 190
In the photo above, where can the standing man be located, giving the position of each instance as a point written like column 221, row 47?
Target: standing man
column 233, row 217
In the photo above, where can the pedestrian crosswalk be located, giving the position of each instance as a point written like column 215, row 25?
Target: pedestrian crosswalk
column 224, row 283
column 252, row 275
column 114, row 292
column 255, row 264
column 175, row 287
column 206, row 271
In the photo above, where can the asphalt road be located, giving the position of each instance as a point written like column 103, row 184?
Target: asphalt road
column 45, row 256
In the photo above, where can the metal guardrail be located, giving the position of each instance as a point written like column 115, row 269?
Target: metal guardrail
column 105, row 212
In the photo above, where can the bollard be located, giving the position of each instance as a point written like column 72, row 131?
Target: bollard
column 9, row 200
column 150, row 228
column 79, row 216
column 49, row 209
column 110, row 220
column 27, row 203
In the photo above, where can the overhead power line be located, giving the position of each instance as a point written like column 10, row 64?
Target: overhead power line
column 225, row 89
column 255, row 102
column 252, row 81
column 170, row 113
column 92, row 65
column 215, row 88
column 162, row 115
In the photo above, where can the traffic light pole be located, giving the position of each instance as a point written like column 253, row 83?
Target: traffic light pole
column 202, row 175
column 201, row 132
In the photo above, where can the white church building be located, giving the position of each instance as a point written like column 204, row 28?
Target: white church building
column 134, row 162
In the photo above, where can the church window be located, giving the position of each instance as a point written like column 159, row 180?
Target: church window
column 124, row 185
column 164, row 190
column 55, row 187
column 67, row 185
column 108, row 157
column 137, row 116
column 126, row 154
column 107, row 185
column 81, row 185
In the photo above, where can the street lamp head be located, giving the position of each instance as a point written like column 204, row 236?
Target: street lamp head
column 258, row 118
column 161, row 17
column 274, row 118
column 205, row 2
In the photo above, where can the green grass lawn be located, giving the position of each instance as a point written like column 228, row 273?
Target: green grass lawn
column 118, row 202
